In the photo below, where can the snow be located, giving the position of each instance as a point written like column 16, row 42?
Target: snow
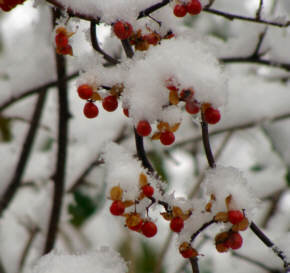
column 102, row 260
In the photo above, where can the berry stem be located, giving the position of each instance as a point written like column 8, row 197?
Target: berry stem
column 194, row 264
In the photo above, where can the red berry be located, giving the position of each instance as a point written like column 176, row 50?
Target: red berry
column 212, row 115
column 151, row 38
column 61, row 40
column 191, row 107
column 67, row 50
column 194, row 7
column 126, row 112
column 90, row 110
column 180, row 10
column 85, row 91
column 138, row 226
column 167, row 138
column 117, row 208
column 148, row 190
column 176, row 224
column 172, row 87
column 149, row 229
column 235, row 216
column 235, row 240
column 188, row 253
column 110, row 103
column 143, row 128
column 123, row 30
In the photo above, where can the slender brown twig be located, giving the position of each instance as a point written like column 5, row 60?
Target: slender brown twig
column 96, row 46
column 59, row 177
column 259, row 10
column 27, row 93
column 14, row 184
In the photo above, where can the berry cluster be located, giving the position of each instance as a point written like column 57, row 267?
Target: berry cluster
column 192, row 7
column 123, row 30
column 7, row 5
column 134, row 221
column 90, row 93
column 231, row 238
column 62, row 41
column 192, row 106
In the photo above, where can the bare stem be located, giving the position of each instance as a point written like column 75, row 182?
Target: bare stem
column 59, row 177
column 15, row 182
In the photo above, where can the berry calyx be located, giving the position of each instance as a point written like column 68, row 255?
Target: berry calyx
column 85, row 91
column 180, row 10
column 235, row 240
column 117, row 208
column 110, row 103
column 186, row 94
column 167, row 138
column 191, row 107
column 90, row 110
column 143, row 128
column 211, row 115
column 194, row 7
column 148, row 190
column 149, row 229
column 123, row 30
column 176, row 224
column 134, row 221
column 235, row 216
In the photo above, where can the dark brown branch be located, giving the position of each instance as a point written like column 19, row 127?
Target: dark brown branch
column 15, row 182
column 270, row 244
column 256, row 53
column 203, row 227
column 231, row 16
column 206, row 144
column 41, row 88
column 128, row 48
column 194, row 264
column 153, row 8
column 59, row 177
column 259, row 10
column 141, row 153
column 96, row 46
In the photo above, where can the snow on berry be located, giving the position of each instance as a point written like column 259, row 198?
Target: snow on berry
column 146, row 93
column 229, row 183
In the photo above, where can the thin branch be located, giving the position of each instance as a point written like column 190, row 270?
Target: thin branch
column 153, row 8
column 2, row 268
column 96, row 162
column 256, row 53
column 278, row 252
column 41, row 88
column 14, row 184
column 59, row 177
column 194, row 264
column 206, row 144
column 202, row 228
column 254, row 262
column 96, row 46
column 32, row 235
column 259, row 10
column 128, row 48
column 231, row 17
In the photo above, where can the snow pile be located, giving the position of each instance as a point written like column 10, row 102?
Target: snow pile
column 103, row 260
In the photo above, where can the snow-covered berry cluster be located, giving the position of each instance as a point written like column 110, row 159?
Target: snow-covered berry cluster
column 62, row 41
column 7, row 5
column 134, row 221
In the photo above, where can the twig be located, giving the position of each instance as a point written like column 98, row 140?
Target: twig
column 96, row 46
column 41, row 88
column 206, row 144
column 259, row 10
column 202, row 228
column 13, row 185
column 278, row 252
column 96, row 162
column 2, row 269
column 252, row 261
column 32, row 234
column 231, row 17
column 256, row 53
column 128, row 48
column 194, row 264
column 153, row 8
column 59, row 177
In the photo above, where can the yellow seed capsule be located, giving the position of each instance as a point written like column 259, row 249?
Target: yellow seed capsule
column 221, row 217
column 143, row 179
column 156, row 136
column 173, row 97
column 96, row 96
column 174, row 127
column 177, row 211
column 116, row 193
column 241, row 226
column 167, row 216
